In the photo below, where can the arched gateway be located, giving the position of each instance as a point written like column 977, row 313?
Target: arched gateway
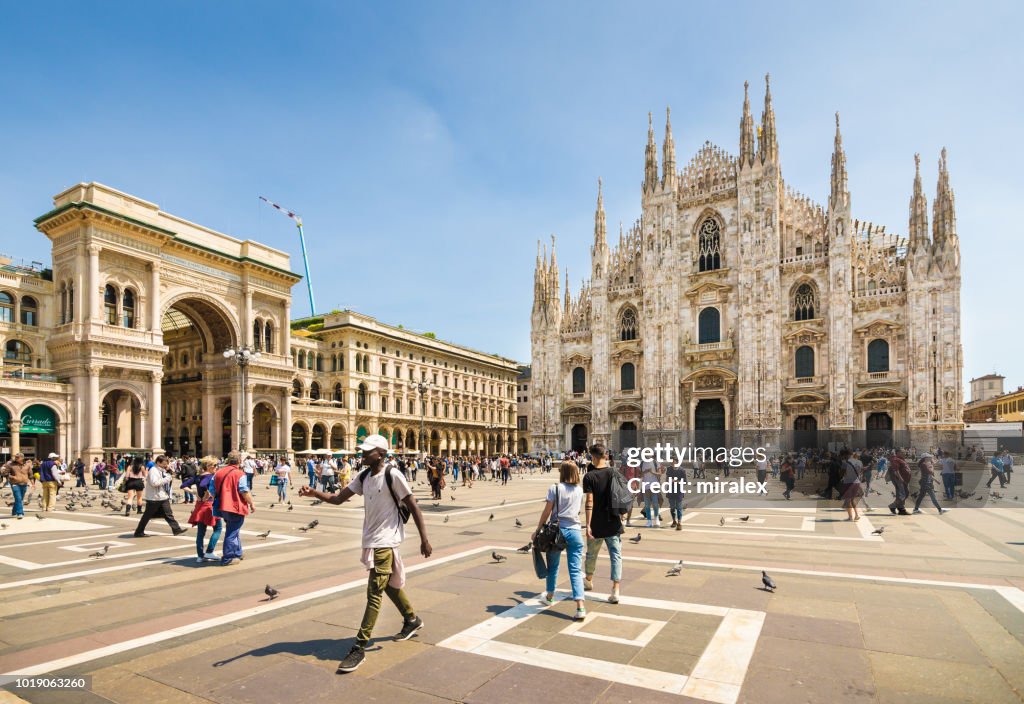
column 161, row 298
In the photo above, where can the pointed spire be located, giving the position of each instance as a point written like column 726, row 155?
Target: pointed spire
column 746, row 130
column 943, row 209
column 650, row 158
column 600, row 228
column 769, row 146
column 668, row 178
column 918, row 230
column 840, row 194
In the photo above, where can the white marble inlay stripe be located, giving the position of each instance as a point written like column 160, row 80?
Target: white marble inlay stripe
column 646, row 635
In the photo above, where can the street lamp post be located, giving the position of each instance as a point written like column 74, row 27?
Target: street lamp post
column 422, row 387
column 242, row 356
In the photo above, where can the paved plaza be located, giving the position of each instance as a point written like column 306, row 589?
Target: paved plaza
column 931, row 610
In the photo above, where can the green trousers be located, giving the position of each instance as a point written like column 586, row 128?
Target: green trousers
column 376, row 587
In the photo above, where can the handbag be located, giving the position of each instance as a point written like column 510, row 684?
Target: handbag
column 122, row 483
column 273, row 480
column 550, row 538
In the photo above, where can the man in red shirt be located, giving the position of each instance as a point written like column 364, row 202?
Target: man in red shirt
column 232, row 501
column 899, row 474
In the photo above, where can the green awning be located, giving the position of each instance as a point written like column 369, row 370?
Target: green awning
column 38, row 419
column 5, row 416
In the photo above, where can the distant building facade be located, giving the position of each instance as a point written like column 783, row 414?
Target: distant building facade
column 986, row 387
column 117, row 347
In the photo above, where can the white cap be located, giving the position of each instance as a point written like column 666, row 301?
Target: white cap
column 373, row 442
column 52, row 456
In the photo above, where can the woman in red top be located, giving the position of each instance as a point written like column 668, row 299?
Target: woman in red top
column 202, row 515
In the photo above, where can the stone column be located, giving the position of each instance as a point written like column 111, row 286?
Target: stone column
column 156, row 408
column 93, row 412
column 286, row 421
column 284, row 345
column 211, row 423
column 247, row 315
column 15, row 427
column 154, row 311
column 92, row 285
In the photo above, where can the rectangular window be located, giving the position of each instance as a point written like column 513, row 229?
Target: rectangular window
column 383, row 368
column 383, row 404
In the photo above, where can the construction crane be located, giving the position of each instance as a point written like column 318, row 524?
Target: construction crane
column 297, row 219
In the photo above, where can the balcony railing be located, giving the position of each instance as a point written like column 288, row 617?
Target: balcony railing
column 709, row 347
column 878, row 377
column 805, row 381
column 28, row 374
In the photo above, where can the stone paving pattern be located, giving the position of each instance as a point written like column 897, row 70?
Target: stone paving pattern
column 823, row 639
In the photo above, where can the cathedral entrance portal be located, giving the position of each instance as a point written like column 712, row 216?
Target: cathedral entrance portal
column 805, row 432
column 627, row 436
column 879, row 430
column 709, row 423
column 579, row 437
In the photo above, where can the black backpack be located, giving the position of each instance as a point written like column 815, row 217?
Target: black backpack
column 620, row 498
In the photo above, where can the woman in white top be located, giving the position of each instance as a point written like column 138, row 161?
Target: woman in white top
column 564, row 500
column 283, row 472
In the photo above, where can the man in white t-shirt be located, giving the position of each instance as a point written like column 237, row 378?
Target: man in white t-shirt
column 385, row 493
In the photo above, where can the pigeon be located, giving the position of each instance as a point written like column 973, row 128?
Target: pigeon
column 70, row 507
column 636, row 539
column 498, row 558
column 980, row 498
column 503, row 501
column 316, row 502
column 768, row 582
column 271, row 506
column 453, row 497
column 270, row 591
column 721, row 521
column 100, row 553
column 40, row 516
column 878, row 531
column 309, row 526
column 675, row 570
column 525, row 548
column 263, row 536
column 519, row 524
column 3, row 526
column 290, row 507
column 437, row 504
column 491, row 518
column 745, row 518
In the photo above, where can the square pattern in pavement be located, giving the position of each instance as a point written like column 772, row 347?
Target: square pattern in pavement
column 716, row 676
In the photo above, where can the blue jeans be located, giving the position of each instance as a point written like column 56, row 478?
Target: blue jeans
column 19, row 497
column 201, row 528
column 651, row 499
column 574, row 551
column 282, row 489
column 675, row 506
column 614, row 544
column 312, row 480
column 232, row 539
column 949, row 484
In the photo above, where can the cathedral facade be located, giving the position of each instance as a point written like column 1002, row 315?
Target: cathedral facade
column 737, row 304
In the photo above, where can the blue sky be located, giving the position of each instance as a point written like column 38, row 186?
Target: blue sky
column 429, row 145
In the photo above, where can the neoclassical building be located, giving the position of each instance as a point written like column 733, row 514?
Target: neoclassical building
column 117, row 346
column 737, row 304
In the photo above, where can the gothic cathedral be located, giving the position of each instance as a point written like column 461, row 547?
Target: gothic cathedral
column 737, row 304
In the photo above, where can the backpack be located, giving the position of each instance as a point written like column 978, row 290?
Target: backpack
column 403, row 510
column 620, row 498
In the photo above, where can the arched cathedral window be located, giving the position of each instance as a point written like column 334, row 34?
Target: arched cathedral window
column 804, row 303
column 627, row 325
column 709, row 240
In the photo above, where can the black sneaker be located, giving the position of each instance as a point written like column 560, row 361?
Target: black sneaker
column 352, row 661
column 179, row 531
column 409, row 628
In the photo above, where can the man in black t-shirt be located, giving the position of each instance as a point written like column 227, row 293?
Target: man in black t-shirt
column 602, row 525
